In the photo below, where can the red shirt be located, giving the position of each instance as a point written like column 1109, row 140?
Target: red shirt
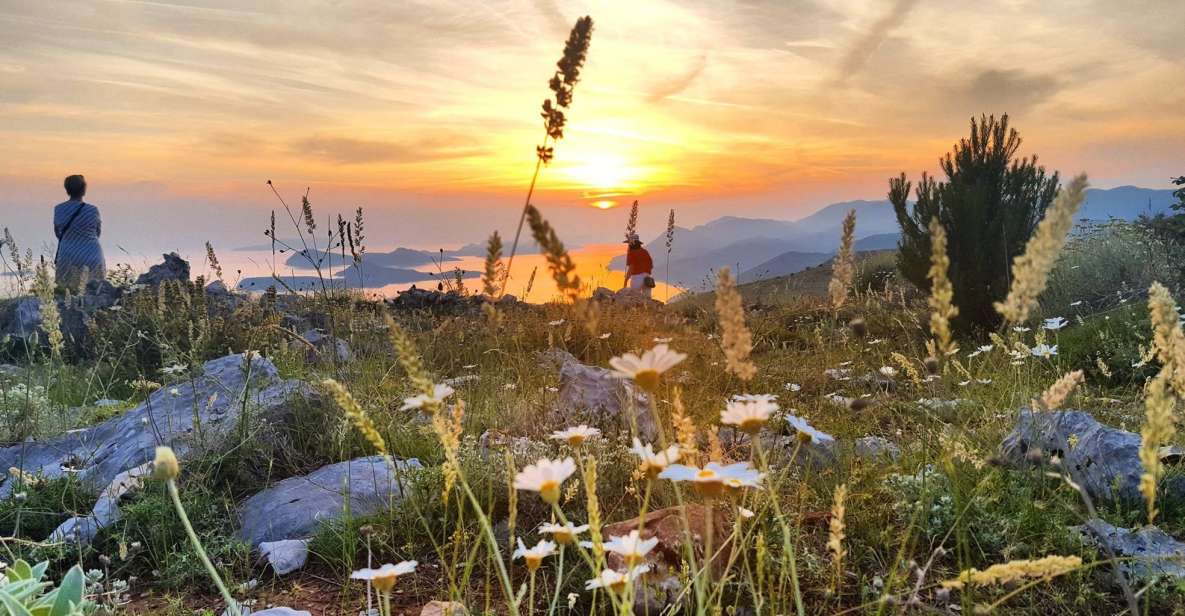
column 638, row 261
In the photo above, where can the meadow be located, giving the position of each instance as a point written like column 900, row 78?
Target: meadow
column 845, row 440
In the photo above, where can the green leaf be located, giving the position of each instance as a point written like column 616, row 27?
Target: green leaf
column 69, row 592
column 13, row 606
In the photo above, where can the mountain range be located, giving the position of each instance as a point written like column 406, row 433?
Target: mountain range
column 765, row 248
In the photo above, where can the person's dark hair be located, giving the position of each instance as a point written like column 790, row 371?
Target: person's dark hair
column 75, row 186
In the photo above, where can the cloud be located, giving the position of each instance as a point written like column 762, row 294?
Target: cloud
column 677, row 83
column 1004, row 91
column 351, row 151
column 858, row 54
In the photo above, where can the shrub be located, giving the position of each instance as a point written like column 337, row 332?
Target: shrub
column 989, row 205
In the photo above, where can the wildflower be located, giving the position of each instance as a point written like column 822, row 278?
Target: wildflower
column 174, row 369
column 653, row 463
column 563, row 533
column 545, row 477
column 1054, row 324
column 614, row 580
column 806, row 432
column 747, row 514
column 713, row 479
column 385, row 576
column 888, row 371
column 980, row 351
column 645, row 370
column 1043, row 350
column 165, row 466
column 1047, row 567
column 356, row 414
column 1030, row 271
column 577, row 435
column 835, row 534
column 792, row 387
column 736, row 340
column 534, row 556
column 748, row 415
column 439, row 392
column 632, row 546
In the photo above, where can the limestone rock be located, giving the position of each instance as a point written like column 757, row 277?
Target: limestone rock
column 1103, row 460
column 326, row 347
column 1147, row 554
column 294, row 507
column 443, row 608
column 82, row 529
column 100, row 453
column 285, row 556
column 593, row 395
column 172, row 268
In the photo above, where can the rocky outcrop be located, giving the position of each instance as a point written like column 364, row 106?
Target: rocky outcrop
column 593, row 395
column 1145, row 554
column 172, row 268
column 295, row 507
column 195, row 415
column 82, row 529
column 623, row 297
column 1103, row 460
column 424, row 299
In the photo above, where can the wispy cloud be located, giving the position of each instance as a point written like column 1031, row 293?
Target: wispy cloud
column 867, row 43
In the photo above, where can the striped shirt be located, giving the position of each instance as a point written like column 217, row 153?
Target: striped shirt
column 78, row 244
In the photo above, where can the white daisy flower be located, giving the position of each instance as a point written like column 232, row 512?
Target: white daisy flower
column 806, row 431
column 645, row 370
column 748, row 514
column 174, row 369
column 748, row 415
column 713, row 478
column 1044, row 350
column 439, row 393
column 534, row 555
column 632, row 546
column 1054, row 324
column 653, row 463
column 563, row 533
column 545, row 477
column 576, row 436
column 385, row 576
column 614, row 580
column 792, row 387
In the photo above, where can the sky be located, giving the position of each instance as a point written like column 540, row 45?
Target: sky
column 426, row 113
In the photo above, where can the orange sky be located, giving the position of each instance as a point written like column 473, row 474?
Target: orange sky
column 426, row 112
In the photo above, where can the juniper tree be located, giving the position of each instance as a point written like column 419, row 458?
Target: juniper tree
column 989, row 205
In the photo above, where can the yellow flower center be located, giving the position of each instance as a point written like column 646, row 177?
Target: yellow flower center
column 647, row 379
column 549, row 491
column 385, row 583
column 708, row 484
column 705, row 474
column 533, row 561
column 576, row 440
column 751, row 424
column 563, row 536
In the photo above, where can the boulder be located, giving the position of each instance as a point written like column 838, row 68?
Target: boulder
column 1146, row 554
column 423, row 299
column 294, row 507
column 20, row 322
column 1105, row 461
column 623, row 297
column 82, row 529
column 100, row 453
column 285, row 556
column 280, row 611
column 172, row 268
column 593, row 395
column 325, row 347
column 663, row 586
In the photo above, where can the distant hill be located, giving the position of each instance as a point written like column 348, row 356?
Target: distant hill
column 764, row 247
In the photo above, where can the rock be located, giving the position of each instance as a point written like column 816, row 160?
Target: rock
column 662, row 586
column 82, row 529
column 285, row 556
column 876, row 448
column 11, row 370
column 623, row 297
column 281, row 611
column 100, row 453
column 20, row 323
column 422, row 299
column 596, row 396
column 326, row 347
column 443, row 608
column 1152, row 552
column 1104, row 461
column 172, row 268
column 294, row 507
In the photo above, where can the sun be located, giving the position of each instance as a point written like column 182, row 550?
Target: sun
column 602, row 170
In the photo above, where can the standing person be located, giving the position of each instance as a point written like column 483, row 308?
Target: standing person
column 77, row 226
column 639, row 266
